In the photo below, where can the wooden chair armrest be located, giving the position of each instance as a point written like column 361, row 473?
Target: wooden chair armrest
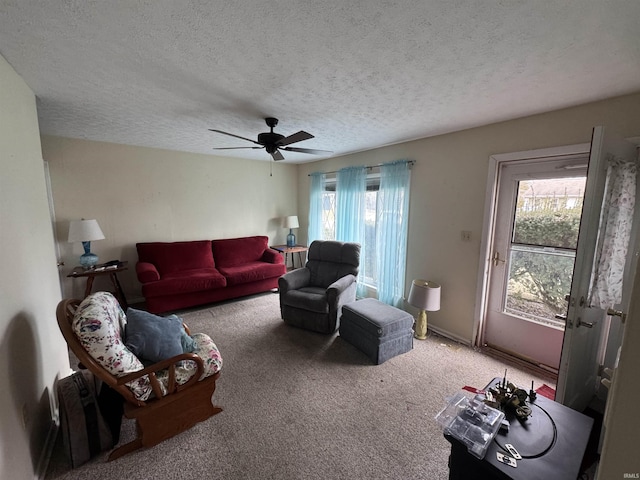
column 169, row 363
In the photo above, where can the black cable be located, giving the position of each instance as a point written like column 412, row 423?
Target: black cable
column 555, row 437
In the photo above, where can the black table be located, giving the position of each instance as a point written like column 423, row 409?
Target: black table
column 552, row 442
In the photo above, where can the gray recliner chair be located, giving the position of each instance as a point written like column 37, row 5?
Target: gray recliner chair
column 312, row 297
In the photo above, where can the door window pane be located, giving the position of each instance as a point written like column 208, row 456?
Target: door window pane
column 548, row 212
column 539, row 280
column 542, row 251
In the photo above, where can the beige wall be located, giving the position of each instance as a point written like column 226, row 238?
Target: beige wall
column 143, row 195
column 32, row 351
column 448, row 184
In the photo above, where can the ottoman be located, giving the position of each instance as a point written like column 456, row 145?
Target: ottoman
column 377, row 329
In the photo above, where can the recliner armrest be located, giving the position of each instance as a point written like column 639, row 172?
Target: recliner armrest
column 340, row 285
column 147, row 272
column 294, row 280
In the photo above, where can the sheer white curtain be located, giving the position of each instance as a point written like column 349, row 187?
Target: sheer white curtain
column 351, row 191
column 616, row 221
column 391, row 233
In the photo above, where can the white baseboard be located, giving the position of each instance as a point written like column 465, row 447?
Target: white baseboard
column 47, row 451
column 449, row 335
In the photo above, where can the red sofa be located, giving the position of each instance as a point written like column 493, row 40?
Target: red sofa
column 177, row 275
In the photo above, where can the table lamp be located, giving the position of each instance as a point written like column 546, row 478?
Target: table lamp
column 424, row 295
column 85, row 231
column 290, row 222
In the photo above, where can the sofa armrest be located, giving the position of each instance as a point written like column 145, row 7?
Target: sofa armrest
column 147, row 272
column 272, row 256
column 294, row 280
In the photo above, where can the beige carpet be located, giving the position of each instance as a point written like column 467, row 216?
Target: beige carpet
column 300, row 405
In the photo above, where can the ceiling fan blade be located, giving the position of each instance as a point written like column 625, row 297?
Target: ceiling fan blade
column 232, row 135
column 277, row 155
column 235, row 148
column 296, row 137
column 306, row 150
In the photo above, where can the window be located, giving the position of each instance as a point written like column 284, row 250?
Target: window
column 371, row 209
column 371, row 218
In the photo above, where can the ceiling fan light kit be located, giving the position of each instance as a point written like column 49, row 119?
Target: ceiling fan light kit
column 274, row 142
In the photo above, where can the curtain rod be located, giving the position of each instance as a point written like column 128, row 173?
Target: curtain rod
column 410, row 162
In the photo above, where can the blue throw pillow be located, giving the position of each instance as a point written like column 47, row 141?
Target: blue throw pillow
column 154, row 338
column 188, row 343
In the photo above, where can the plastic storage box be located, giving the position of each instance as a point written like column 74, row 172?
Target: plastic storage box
column 470, row 421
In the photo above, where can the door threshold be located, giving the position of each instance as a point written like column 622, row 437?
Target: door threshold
column 543, row 371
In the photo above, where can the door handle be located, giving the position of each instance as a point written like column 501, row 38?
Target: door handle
column 585, row 324
column 617, row 313
column 497, row 259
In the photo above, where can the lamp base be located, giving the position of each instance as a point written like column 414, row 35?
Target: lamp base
column 420, row 329
column 88, row 260
column 291, row 239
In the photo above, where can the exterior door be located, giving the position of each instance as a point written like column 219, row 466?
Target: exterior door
column 537, row 218
column 577, row 379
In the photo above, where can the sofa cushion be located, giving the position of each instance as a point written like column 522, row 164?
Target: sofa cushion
column 251, row 272
column 186, row 281
column 171, row 257
column 99, row 323
column 154, row 338
column 232, row 252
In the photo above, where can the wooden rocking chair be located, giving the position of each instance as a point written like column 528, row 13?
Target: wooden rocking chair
column 162, row 416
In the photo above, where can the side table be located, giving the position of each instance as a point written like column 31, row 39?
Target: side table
column 552, row 442
column 285, row 250
column 112, row 271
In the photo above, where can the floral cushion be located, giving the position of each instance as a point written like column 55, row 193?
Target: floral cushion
column 207, row 351
column 98, row 323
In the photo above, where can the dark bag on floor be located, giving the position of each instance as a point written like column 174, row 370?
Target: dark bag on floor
column 84, row 431
column 111, row 406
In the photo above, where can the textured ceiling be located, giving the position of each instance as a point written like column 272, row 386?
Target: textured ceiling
column 357, row 74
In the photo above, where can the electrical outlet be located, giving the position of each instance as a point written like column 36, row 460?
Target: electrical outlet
column 466, row 235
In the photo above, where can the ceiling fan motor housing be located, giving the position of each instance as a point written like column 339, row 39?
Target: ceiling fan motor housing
column 269, row 140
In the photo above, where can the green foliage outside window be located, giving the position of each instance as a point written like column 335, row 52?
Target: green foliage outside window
column 540, row 280
column 548, row 228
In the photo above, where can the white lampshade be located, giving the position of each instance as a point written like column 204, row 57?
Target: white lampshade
column 84, row 231
column 290, row 222
column 425, row 295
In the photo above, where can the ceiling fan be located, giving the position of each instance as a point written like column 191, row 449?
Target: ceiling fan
column 274, row 142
